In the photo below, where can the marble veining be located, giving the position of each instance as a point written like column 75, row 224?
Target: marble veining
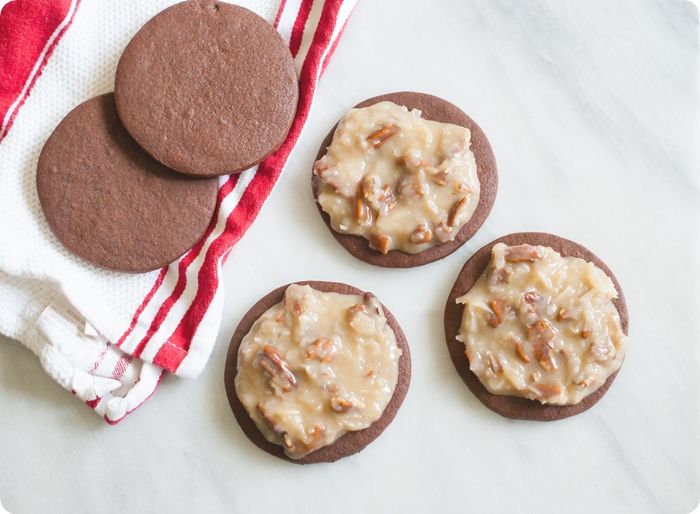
column 592, row 111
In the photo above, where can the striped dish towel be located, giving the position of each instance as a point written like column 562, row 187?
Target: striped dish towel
column 109, row 337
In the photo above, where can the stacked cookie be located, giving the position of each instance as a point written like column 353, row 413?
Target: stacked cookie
column 127, row 181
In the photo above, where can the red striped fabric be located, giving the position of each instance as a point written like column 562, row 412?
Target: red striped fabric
column 324, row 34
column 164, row 327
column 29, row 32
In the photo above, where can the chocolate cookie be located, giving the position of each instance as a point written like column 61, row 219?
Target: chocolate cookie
column 512, row 406
column 109, row 202
column 351, row 442
column 207, row 88
column 436, row 109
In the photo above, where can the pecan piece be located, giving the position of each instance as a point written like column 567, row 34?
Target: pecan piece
column 363, row 216
column 277, row 368
column 533, row 303
column 498, row 312
column 548, row 390
column 263, row 412
column 316, row 437
column 354, row 309
column 379, row 242
column 440, row 178
column 456, row 211
column 413, row 164
column 287, row 441
column 522, row 253
column 541, row 335
column 520, row 352
column 410, row 186
column 341, row 405
column 585, row 333
column 421, row 234
column 372, row 304
column 443, row 232
column 461, row 187
column 377, row 138
column 321, row 349
column 497, row 275
column 321, row 167
column 563, row 314
column 370, row 188
column 495, row 364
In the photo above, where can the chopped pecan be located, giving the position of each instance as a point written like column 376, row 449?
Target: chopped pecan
column 287, row 441
column 410, row 186
column 370, row 373
column 497, row 275
column 522, row 253
column 316, row 436
column 563, row 314
column 341, row 405
column 443, row 232
column 461, row 187
column 533, row 303
column 548, row 390
column 281, row 316
column 414, row 164
column 372, row 304
column 379, row 137
column 422, row 234
column 321, row 167
column 498, row 312
column 379, row 242
column 370, row 187
column 520, row 352
column 321, row 349
column 457, row 209
column 263, row 412
column 541, row 335
column 495, row 364
column 354, row 309
column 583, row 381
column 276, row 367
column 363, row 215
column 585, row 333
column 440, row 178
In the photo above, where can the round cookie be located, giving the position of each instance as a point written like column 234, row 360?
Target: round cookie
column 351, row 442
column 207, row 88
column 512, row 406
column 436, row 109
column 109, row 202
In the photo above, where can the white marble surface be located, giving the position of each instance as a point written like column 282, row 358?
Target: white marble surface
column 592, row 110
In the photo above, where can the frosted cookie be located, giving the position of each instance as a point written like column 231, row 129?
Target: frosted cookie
column 316, row 371
column 536, row 326
column 404, row 179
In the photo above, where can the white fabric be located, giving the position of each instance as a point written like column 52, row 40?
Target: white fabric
column 63, row 309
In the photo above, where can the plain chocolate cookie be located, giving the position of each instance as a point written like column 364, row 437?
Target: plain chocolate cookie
column 348, row 444
column 436, row 109
column 109, row 202
column 512, row 406
column 207, row 88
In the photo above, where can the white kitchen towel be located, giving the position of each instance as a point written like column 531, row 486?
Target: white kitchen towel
column 109, row 337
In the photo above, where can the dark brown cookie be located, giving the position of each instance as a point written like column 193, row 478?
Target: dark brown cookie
column 348, row 444
column 436, row 109
column 109, row 202
column 512, row 406
column 207, row 88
